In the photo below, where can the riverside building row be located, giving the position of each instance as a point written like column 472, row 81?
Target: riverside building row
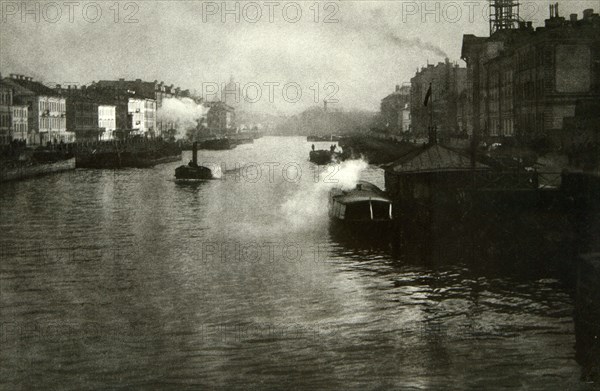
column 524, row 82
column 105, row 110
column 521, row 82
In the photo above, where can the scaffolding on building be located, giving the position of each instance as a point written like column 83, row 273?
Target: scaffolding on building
column 504, row 15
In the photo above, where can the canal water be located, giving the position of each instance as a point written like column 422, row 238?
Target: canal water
column 125, row 279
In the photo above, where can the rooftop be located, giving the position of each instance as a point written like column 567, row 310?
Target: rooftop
column 29, row 86
column 433, row 158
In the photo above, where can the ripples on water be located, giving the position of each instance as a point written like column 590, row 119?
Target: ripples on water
column 127, row 279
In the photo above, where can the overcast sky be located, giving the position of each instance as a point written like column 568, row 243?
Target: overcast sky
column 363, row 52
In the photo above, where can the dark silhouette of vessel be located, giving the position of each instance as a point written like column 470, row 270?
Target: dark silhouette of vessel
column 365, row 208
column 193, row 172
column 323, row 157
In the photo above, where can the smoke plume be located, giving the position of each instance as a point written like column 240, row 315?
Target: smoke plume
column 308, row 207
column 183, row 113
column 415, row 43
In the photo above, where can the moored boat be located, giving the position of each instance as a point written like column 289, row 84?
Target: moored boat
column 218, row 144
column 322, row 157
column 331, row 137
column 364, row 207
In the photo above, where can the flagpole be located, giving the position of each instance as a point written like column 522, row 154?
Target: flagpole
column 429, row 102
column 432, row 135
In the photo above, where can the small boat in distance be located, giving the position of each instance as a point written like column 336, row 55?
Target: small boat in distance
column 323, row 157
column 193, row 172
column 364, row 207
column 331, row 137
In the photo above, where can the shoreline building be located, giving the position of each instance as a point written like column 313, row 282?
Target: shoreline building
column 405, row 119
column 394, row 110
column 20, row 128
column 220, row 118
column 6, row 102
column 523, row 82
column 143, row 116
column 13, row 117
column 448, row 82
column 107, row 121
column 148, row 119
column 82, row 113
column 140, row 108
column 46, row 110
column 108, row 96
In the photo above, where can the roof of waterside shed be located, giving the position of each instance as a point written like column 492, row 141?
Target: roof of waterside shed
column 433, row 158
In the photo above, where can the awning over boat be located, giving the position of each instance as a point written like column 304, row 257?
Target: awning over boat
column 364, row 192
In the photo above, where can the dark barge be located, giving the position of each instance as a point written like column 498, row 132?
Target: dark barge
column 364, row 209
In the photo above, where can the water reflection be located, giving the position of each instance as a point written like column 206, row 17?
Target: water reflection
column 128, row 279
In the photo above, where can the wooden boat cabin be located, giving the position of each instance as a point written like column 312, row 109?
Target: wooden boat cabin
column 366, row 203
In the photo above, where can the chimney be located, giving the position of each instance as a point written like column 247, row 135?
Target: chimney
column 530, row 25
column 195, row 153
column 588, row 13
column 573, row 18
column 121, row 80
column 397, row 88
column 58, row 87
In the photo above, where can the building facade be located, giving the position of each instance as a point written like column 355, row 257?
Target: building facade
column 523, row 82
column 82, row 113
column 392, row 110
column 46, row 110
column 152, row 122
column 20, row 128
column 143, row 116
column 220, row 118
column 405, row 121
column 120, row 100
column 6, row 102
column 447, row 81
column 107, row 121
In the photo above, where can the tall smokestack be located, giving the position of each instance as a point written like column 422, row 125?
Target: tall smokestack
column 195, row 153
